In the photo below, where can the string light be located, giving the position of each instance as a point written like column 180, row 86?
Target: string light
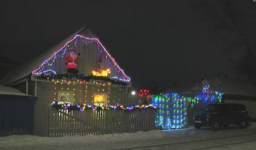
column 172, row 107
column 53, row 57
column 82, row 107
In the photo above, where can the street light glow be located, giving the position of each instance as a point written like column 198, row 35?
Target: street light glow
column 133, row 92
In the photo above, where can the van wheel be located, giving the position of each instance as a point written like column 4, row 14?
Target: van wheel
column 197, row 126
column 242, row 124
column 215, row 125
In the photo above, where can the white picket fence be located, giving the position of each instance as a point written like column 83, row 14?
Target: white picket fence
column 57, row 123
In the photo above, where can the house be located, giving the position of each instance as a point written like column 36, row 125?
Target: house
column 77, row 70
column 7, row 65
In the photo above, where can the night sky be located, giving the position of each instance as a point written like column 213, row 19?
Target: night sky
column 151, row 40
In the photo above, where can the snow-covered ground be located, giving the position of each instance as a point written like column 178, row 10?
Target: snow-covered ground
column 172, row 139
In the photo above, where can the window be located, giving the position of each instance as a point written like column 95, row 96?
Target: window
column 100, row 99
column 211, row 108
column 228, row 108
column 235, row 107
column 65, row 97
column 242, row 107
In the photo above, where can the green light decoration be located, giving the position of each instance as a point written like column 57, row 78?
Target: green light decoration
column 162, row 116
column 172, row 108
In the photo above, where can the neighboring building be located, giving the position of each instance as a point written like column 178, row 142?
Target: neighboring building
column 77, row 70
column 236, row 91
column 16, row 112
column 7, row 65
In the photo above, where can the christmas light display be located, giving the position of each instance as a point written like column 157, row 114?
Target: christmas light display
column 49, row 70
column 163, row 115
column 179, row 111
column 71, row 61
column 78, row 91
column 103, row 73
column 82, row 107
column 79, row 78
column 172, row 107
column 51, row 60
column 144, row 92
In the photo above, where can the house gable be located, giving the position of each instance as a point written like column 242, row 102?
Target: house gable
column 92, row 54
column 53, row 60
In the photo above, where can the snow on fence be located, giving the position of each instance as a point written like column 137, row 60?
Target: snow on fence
column 57, row 123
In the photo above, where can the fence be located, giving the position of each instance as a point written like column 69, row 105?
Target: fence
column 16, row 114
column 57, row 123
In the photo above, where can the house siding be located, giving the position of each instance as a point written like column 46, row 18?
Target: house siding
column 83, row 93
column 89, row 51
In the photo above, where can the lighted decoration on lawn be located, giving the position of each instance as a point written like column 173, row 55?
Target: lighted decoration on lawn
column 179, row 111
column 172, row 107
column 163, row 115
column 82, row 107
column 62, row 50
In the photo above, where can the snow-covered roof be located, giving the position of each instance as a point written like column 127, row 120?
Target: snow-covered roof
column 27, row 68
column 4, row 90
column 233, row 86
column 225, row 85
column 187, row 89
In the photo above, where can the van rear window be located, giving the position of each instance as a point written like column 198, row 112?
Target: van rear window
column 242, row 108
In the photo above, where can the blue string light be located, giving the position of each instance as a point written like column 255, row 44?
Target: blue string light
column 172, row 108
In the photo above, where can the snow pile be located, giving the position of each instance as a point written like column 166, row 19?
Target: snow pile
column 252, row 125
column 10, row 91
column 153, row 134
column 28, row 141
column 152, row 139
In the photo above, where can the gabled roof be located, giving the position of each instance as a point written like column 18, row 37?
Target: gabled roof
column 37, row 62
column 5, row 60
column 233, row 86
column 226, row 85
column 10, row 91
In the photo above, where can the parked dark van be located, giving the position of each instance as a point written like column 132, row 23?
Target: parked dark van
column 218, row 115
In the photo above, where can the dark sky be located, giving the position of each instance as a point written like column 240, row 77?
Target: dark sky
column 151, row 40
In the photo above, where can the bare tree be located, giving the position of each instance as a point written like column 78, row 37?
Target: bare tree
column 235, row 29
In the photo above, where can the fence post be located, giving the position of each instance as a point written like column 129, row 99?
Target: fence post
column 106, row 121
column 48, row 121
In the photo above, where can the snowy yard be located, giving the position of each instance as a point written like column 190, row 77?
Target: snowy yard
column 189, row 138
